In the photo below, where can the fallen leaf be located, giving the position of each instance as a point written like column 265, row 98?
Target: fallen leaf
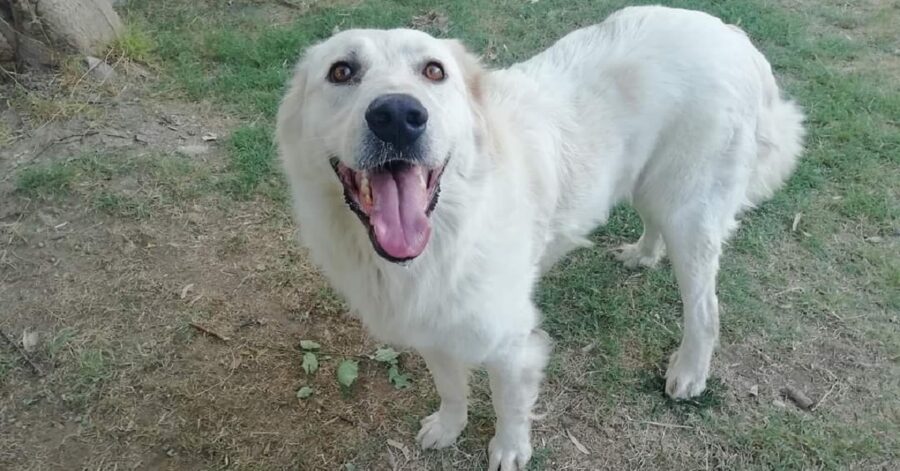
column 187, row 289
column 310, row 363
column 796, row 222
column 386, row 355
column 754, row 390
column 209, row 332
column 399, row 446
column 577, row 443
column 209, row 137
column 399, row 380
column 30, row 341
column 309, row 345
column 347, row 372
column 304, row 392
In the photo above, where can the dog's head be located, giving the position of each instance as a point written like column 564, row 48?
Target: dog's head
column 385, row 111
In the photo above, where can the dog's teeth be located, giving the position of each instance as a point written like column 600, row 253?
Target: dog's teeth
column 365, row 191
column 422, row 180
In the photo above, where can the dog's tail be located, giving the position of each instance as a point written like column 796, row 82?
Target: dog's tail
column 779, row 137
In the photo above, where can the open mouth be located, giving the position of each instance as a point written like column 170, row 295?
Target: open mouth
column 393, row 201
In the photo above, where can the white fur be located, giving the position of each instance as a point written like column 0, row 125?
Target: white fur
column 668, row 109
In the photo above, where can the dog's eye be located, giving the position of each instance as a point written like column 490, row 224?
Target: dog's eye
column 340, row 72
column 434, row 72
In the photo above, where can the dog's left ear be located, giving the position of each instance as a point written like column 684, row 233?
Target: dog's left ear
column 471, row 67
column 289, row 121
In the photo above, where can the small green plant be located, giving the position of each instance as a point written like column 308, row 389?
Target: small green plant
column 348, row 369
column 389, row 357
column 134, row 44
column 304, row 392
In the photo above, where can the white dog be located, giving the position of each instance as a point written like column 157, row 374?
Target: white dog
column 433, row 193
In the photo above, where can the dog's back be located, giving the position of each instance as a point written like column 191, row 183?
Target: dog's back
column 655, row 100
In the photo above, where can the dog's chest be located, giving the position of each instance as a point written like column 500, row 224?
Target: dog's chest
column 431, row 310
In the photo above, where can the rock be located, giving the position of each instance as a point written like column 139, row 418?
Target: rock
column 99, row 69
column 44, row 27
column 30, row 341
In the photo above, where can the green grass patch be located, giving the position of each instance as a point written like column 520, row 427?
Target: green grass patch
column 122, row 185
column 46, row 180
column 252, row 162
column 135, row 43
column 122, row 206
column 791, row 440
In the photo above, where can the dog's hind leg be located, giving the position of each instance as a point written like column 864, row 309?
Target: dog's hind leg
column 646, row 252
column 695, row 217
column 515, row 376
column 441, row 428
column 694, row 248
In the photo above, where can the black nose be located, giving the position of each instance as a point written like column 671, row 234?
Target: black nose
column 397, row 119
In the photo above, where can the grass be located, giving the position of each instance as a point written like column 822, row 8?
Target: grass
column 121, row 186
column 45, row 181
column 252, row 150
column 847, row 179
column 134, row 43
column 804, row 305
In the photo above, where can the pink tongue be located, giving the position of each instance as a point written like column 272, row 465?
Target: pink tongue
column 398, row 217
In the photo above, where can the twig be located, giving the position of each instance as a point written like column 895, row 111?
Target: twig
column 825, row 396
column 37, row 371
column 63, row 139
column 796, row 222
column 12, row 75
column 659, row 424
column 230, row 374
column 578, row 445
column 209, row 332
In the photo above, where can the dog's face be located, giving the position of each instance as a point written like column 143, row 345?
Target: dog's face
column 386, row 110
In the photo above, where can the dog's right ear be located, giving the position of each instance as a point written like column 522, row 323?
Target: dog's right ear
column 471, row 67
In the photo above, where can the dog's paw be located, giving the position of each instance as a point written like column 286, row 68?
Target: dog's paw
column 439, row 431
column 632, row 256
column 686, row 377
column 509, row 453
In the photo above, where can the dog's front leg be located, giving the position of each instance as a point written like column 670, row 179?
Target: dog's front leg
column 515, row 373
column 441, row 428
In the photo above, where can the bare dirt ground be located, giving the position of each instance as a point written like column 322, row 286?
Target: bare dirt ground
column 168, row 314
